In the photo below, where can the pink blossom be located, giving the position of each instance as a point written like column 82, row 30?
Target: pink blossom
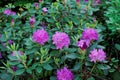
column 90, row 34
column 7, row 11
column 18, row 52
column 44, row 10
column 10, row 41
column 0, row 55
column 97, row 55
column 64, row 74
column 61, row 39
column 13, row 13
column 86, row 0
column 12, row 22
column 83, row 44
column 32, row 21
column 40, row 0
column 40, row 36
column 77, row 1
column 36, row 5
column 14, row 68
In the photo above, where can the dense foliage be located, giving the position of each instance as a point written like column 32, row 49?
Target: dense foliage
column 60, row 40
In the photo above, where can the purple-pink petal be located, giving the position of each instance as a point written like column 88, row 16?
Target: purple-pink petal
column 32, row 21
column 83, row 44
column 90, row 34
column 64, row 74
column 44, row 9
column 40, row 36
column 61, row 39
column 97, row 55
column 7, row 11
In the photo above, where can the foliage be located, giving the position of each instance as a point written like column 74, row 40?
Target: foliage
column 112, row 14
column 22, row 57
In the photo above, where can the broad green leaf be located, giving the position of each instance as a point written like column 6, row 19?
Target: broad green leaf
column 39, row 69
column 47, row 67
column 19, row 71
column 72, row 56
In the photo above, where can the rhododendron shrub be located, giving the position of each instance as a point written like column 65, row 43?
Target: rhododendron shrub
column 52, row 41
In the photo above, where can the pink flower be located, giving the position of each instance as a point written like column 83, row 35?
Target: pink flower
column 102, row 55
column 97, row 55
column 98, row 1
column 32, row 21
column 83, row 44
column 40, row 36
column 44, row 10
column 13, row 13
column 10, row 41
column 7, row 11
column 64, row 74
column 77, row 1
column 12, row 22
column 60, row 40
column 86, row 0
column 90, row 34
column 0, row 55
column 14, row 68
column 40, row 0
column 36, row 5
column 18, row 52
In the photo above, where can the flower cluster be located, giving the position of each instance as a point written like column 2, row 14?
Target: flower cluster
column 61, row 39
column 97, row 55
column 64, row 74
column 9, row 12
column 88, row 35
column 40, row 36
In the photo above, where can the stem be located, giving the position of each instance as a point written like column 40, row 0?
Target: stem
column 93, row 68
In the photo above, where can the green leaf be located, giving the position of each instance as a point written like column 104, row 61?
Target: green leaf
column 77, row 66
column 34, row 65
column 91, row 78
column 20, row 71
column 39, row 69
column 116, row 76
column 5, row 76
column 29, row 70
column 52, row 78
column 103, row 67
column 72, row 56
column 47, row 67
column 29, row 62
column 117, row 46
column 13, row 63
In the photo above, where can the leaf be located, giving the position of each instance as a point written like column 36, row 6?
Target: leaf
column 116, row 76
column 5, row 76
column 103, row 67
column 39, row 69
column 91, row 78
column 29, row 70
column 29, row 62
column 20, row 71
column 77, row 66
column 52, row 78
column 72, row 56
column 34, row 65
column 117, row 46
column 47, row 67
